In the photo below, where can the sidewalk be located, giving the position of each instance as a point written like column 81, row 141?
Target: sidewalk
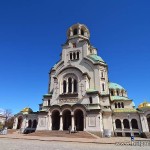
column 97, row 140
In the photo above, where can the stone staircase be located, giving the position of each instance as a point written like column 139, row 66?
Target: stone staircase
column 146, row 135
column 54, row 133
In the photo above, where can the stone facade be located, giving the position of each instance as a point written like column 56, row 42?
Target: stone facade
column 80, row 96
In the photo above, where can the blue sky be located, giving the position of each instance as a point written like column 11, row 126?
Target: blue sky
column 32, row 31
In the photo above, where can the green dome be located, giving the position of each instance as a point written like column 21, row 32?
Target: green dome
column 115, row 86
column 95, row 58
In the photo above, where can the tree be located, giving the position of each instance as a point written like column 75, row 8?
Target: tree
column 9, row 119
column 7, row 114
column 9, row 123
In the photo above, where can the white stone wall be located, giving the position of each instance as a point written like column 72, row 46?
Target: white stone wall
column 43, row 122
column 93, row 122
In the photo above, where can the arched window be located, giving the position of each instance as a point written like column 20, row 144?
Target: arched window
column 103, row 87
column 70, row 56
column 102, row 74
column 118, row 123
column 77, row 55
column 112, row 93
column 117, row 93
column 134, row 124
column 75, row 31
column 75, row 86
column 74, row 45
column 69, row 85
column 90, row 99
column 115, row 105
column 49, row 102
column 122, row 104
column 126, row 124
column 91, row 51
column 64, row 86
column 119, row 105
column 74, row 55
column 82, row 32
column 122, row 92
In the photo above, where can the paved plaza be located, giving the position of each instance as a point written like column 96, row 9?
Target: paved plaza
column 20, row 144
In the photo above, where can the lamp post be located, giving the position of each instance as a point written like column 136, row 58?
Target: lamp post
column 132, row 136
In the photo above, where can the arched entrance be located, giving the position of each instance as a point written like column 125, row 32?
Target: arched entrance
column 34, row 123
column 29, row 123
column 55, row 120
column 126, row 124
column 148, row 122
column 134, row 124
column 20, row 120
column 66, row 119
column 118, row 124
column 79, row 120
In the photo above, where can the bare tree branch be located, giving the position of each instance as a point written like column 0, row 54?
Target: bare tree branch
column 7, row 114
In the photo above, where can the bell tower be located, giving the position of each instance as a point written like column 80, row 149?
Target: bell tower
column 77, row 45
column 78, row 31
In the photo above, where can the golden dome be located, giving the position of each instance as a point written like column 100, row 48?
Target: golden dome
column 27, row 110
column 144, row 105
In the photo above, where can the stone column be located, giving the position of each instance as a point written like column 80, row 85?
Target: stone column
column 115, row 93
column 50, row 122
column 72, row 122
column 84, row 122
column 114, row 126
column 122, row 126
column 85, row 33
column 61, row 124
column 79, row 30
column 130, row 124
column 71, row 33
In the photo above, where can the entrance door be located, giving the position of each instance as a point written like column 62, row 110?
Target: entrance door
column 148, row 122
column 55, row 120
column 79, row 120
column 20, row 120
column 66, row 119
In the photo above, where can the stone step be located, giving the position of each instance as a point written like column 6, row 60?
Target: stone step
column 146, row 135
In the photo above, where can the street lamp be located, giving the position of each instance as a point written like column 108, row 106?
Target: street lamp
column 132, row 136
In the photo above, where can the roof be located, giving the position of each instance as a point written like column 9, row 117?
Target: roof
column 95, row 58
column 47, row 95
column 115, row 86
column 117, row 98
column 93, row 107
column 124, row 110
column 91, row 91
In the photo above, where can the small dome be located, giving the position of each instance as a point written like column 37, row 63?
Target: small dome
column 115, row 86
column 27, row 110
column 144, row 105
column 78, row 30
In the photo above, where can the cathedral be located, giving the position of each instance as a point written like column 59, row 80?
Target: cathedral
column 81, row 97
